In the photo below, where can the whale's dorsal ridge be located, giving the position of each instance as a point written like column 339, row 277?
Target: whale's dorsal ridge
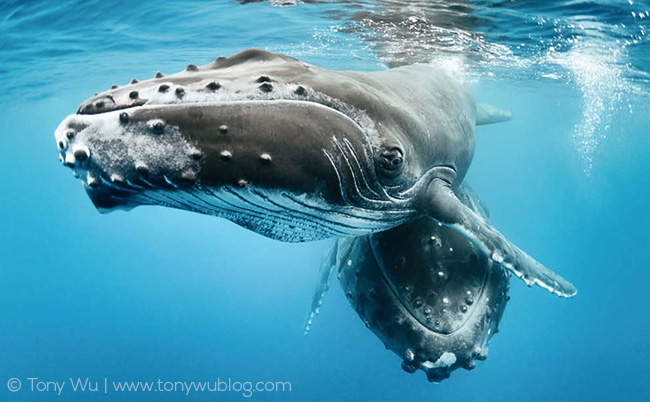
column 251, row 55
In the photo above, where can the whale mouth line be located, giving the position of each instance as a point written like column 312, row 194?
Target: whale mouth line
column 344, row 109
column 106, row 103
column 213, row 102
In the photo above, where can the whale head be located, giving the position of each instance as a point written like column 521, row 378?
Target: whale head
column 271, row 143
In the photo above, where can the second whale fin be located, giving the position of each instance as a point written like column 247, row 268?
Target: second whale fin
column 490, row 114
column 333, row 259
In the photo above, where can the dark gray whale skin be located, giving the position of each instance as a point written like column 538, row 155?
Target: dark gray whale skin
column 297, row 153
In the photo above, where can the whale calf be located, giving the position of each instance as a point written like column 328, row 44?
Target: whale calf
column 298, row 153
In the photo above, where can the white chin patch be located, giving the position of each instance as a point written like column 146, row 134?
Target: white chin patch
column 447, row 359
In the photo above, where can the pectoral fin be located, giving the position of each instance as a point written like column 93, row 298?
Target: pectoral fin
column 489, row 114
column 446, row 208
column 333, row 259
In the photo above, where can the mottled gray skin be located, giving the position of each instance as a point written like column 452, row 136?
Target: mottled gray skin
column 427, row 293
column 298, row 153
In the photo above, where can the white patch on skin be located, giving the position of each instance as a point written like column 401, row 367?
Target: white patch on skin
column 445, row 360
column 69, row 157
column 115, row 148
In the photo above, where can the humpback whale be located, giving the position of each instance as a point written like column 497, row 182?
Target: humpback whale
column 298, row 153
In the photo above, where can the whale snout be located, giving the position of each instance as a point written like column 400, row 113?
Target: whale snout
column 119, row 163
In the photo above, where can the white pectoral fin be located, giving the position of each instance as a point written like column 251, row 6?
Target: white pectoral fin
column 325, row 274
column 489, row 114
column 333, row 259
column 445, row 207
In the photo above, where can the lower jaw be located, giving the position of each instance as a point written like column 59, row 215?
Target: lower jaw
column 277, row 215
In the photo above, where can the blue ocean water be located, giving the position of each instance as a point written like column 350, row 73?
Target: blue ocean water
column 162, row 294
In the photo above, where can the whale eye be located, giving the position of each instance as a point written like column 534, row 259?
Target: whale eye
column 391, row 159
column 390, row 162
